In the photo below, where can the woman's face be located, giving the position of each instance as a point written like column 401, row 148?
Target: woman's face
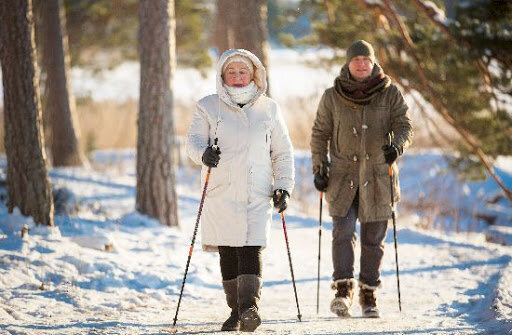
column 237, row 74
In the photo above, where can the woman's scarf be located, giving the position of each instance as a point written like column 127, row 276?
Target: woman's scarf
column 361, row 92
column 242, row 95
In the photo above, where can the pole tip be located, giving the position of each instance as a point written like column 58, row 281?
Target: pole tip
column 300, row 317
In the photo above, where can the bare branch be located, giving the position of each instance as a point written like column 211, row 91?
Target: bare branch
column 330, row 11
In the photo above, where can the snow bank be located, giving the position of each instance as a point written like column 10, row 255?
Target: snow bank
column 499, row 234
column 503, row 301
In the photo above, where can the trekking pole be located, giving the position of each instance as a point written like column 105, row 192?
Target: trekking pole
column 394, row 227
column 191, row 250
column 291, row 267
column 319, row 250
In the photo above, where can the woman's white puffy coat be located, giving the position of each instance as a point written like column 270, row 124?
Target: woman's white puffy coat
column 256, row 158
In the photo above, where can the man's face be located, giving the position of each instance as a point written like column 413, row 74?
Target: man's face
column 360, row 67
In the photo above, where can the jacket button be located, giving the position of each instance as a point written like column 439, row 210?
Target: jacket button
column 367, row 157
column 354, row 158
column 354, row 130
column 365, row 126
column 351, row 184
column 365, row 183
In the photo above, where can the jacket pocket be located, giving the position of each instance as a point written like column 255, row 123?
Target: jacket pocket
column 219, row 181
column 337, row 138
column 268, row 128
column 339, row 187
column 382, row 186
column 260, row 135
column 260, row 182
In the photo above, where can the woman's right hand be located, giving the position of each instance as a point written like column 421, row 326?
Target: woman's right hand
column 211, row 156
column 281, row 199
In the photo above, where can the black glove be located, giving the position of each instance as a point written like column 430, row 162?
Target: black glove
column 321, row 181
column 281, row 198
column 211, row 156
column 390, row 153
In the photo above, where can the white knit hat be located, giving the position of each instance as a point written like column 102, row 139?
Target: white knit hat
column 239, row 58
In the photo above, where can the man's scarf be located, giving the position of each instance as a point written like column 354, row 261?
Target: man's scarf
column 361, row 92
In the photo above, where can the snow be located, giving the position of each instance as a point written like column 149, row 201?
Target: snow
column 427, row 180
column 504, row 163
column 435, row 12
column 499, row 234
column 65, row 280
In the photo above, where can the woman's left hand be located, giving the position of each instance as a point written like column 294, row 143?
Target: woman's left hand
column 281, row 198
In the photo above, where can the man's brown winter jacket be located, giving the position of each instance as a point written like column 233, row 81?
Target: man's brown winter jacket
column 353, row 135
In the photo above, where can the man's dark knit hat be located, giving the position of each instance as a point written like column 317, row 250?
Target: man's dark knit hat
column 360, row 48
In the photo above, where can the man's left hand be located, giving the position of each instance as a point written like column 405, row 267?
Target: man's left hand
column 390, row 153
column 281, row 198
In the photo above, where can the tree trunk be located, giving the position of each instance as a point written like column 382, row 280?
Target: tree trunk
column 60, row 101
column 223, row 36
column 27, row 178
column 242, row 24
column 156, row 194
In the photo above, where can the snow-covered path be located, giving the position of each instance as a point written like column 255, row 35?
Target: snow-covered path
column 56, row 282
column 447, row 287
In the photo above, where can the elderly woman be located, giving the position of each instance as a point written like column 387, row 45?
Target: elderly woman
column 252, row 166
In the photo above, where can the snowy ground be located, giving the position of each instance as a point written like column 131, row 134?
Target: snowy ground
column 62, row 281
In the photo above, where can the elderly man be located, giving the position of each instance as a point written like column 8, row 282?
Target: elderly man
column 351, row 158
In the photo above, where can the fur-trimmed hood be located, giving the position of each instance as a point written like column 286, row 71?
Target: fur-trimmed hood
column 259, row 77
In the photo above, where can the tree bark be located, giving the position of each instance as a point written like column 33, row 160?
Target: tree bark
column 242, row 24
column 156, row 194
column 27, row 179
column 60, row 101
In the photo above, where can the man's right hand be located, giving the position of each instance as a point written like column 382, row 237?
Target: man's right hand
column 211, row 156
column 321, row 181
